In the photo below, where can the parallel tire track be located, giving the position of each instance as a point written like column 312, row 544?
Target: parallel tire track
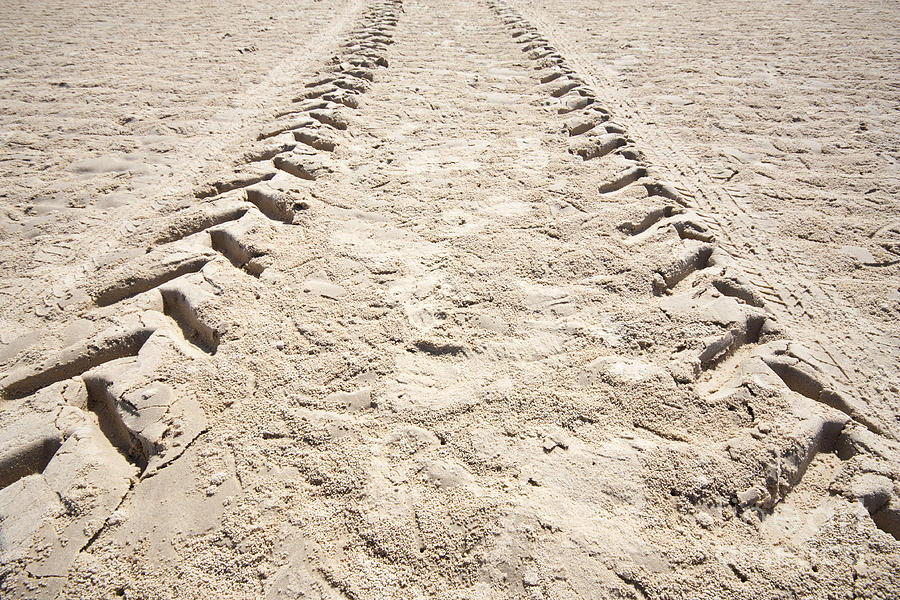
column 141, row 424
column 855, row 365
column 706, row 234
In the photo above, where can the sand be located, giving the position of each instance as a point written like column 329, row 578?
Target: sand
column 417, row 299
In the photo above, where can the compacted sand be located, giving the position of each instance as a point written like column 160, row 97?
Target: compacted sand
column 420, row 299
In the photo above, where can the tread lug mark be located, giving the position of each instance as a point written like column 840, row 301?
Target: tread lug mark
column 149, row 271
column 275, row 204
column 351, row 85
column 627, row 177
column 823, row 427
column 103, row 402
column 350, row 71
column 241, row 180
column 574, row 103
column 741, row 324
column 364, row 63
column 197, row 218
column 544, row 54
column 687, row 224
column 23, row 457
column 591, row 147
column 801, row 376
column 287, row 127
column 317, row 92
column 267, row 153
column 669, row 192
column 614, row 128
column 322, row 80
column 737, row 286
column 692, row 258
column 348, row 99
column 76, row 456
column 76, row 359
column 137, row 414
column 115, row 357
column 330, row 118
column 652, row 218
column 631, row 153
column 232, row 241
column 302, row 166
column 583, row 124
column 741, row 333
column 551, row 76
column 305, row 106
column 182, row 301
column 314, row 139
column 818, row 433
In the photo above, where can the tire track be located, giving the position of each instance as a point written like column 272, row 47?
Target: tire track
column 744, row 336
column 797, row 368
column 857, row 363
column 465, row 386
column 97, row 408
column 578, row 102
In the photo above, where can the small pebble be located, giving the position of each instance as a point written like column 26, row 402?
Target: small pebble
column 705, row 520
column 117, row 518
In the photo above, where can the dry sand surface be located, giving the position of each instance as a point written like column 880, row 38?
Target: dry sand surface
column 450, row 299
